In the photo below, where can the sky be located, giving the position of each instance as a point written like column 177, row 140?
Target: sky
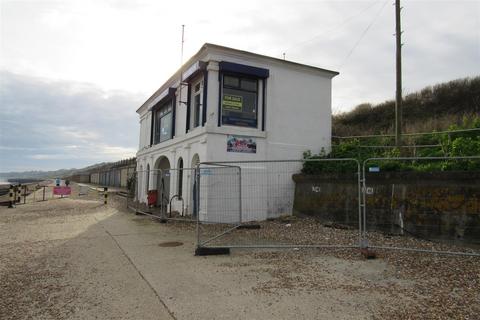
column 73, row 73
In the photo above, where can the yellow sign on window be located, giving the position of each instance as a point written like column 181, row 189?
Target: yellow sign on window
column 231, row 102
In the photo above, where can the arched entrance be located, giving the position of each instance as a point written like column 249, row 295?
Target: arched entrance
column 162, row 181
column 192, row 205
column 147, row 179
column 180, row 178
column 139, row 183
column 195, row 160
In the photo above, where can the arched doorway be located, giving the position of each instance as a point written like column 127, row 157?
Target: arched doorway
column 162, row 181
column 147, row 179
column 194, row 163
column 195, row 160
column 139, row 184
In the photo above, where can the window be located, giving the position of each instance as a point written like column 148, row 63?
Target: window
column 163, row 123
column 196, row 104
column 239, row 101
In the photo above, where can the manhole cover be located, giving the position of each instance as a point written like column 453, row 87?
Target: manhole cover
column 170, row 244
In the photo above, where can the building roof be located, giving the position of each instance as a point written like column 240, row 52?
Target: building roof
column 208, row 46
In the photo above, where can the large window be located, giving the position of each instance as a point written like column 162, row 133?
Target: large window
column 239, row 101
column 196, row 104
column 163, row 123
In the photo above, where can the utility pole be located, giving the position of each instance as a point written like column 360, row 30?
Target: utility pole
column 398, row 95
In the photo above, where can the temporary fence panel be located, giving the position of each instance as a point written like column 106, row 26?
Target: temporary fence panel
column 25, row 193
column 31, row 193
column 218, row 202
column 291, row 203
column 132, row 191
column 166, row 194
column 437, row 210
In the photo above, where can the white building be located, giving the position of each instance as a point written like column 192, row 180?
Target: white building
column 231, row 105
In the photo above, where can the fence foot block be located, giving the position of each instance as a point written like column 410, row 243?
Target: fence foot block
column 368, row 253
column 203, row 251
column 249, row 226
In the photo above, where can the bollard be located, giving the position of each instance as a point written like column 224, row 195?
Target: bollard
column 43, row 193
column 19, row 193
column 24, row 194
column 105, row 195
column 11, row 198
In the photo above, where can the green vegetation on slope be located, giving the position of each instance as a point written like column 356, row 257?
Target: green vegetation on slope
column 432, row 108
column 455, row 144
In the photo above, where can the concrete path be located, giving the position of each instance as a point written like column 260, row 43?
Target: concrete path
column 79, row 259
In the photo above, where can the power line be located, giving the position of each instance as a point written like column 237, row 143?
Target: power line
column 332, row 28
column 362, row 35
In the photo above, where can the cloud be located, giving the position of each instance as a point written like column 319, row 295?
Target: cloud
column 135, row 45
column 54, row 124
column 111, row 48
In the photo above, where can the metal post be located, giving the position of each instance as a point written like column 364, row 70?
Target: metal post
column 10, row 194
column 195, row 201
column 398, row 95
column 24, row 194
column 361, row 204
column 43, row 199
column 364, row 214
column 240, row 192
column 105, row 195
column 19, row 193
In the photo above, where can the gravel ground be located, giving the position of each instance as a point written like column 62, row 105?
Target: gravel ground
column 417, row 285
column 69, row 259
column 58, row 262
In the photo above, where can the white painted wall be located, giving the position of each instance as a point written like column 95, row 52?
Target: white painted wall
column 298, row 118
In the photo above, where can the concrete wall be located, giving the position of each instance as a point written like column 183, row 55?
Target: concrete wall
column 440, row 205
column 95, row 178
column 81, row 178
column 188, row 148
column 298, row 118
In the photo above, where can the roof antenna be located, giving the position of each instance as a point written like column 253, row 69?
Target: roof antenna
column 182, row 84
column 183, row 40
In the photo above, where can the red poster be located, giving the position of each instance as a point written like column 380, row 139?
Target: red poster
column 62, row 191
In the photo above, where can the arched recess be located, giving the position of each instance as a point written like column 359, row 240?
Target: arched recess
column 139, row 184
column 195, row 160
column 180, row 177
column 162, row 180
column 193, row 164
column 147, row 179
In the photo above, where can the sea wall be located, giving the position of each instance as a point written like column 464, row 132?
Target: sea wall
column 440, row 205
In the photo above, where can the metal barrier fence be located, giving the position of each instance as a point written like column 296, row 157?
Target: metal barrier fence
column 435, row 211
column 166, row 194
column 259, row 204
column 30, row 193
column 83, row 190
column 43, row 191
column 253, row 204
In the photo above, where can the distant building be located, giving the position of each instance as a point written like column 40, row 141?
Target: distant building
column 228, row 105
column 113, row 174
